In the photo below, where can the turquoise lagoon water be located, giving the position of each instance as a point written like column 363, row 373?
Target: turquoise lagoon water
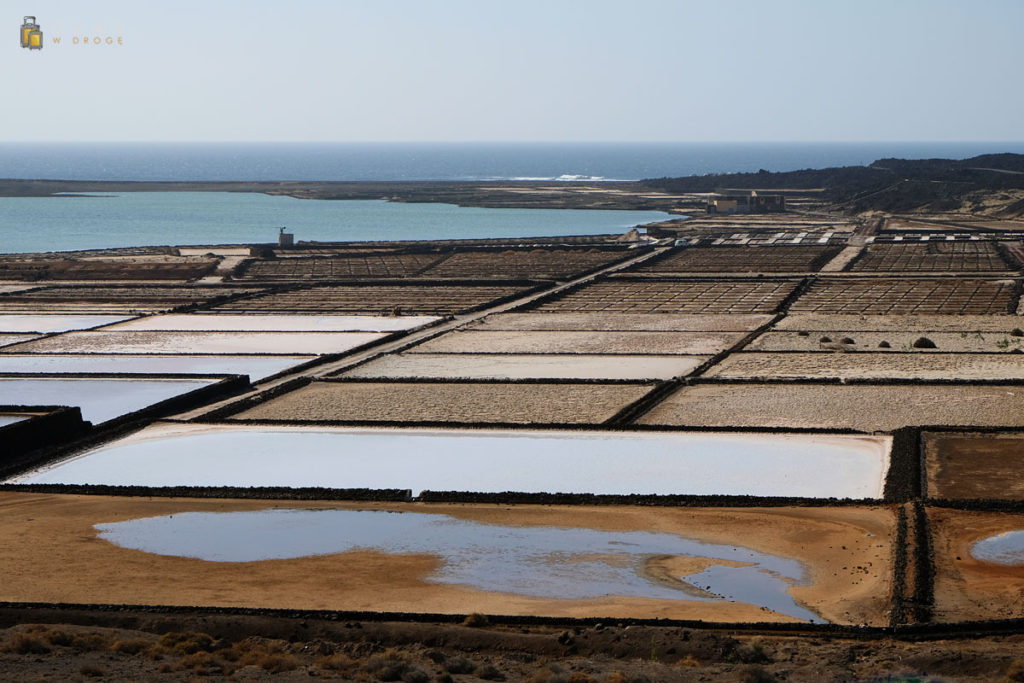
column 96, row 221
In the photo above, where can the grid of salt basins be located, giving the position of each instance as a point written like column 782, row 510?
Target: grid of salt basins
column 750, row 562
column 111, row 366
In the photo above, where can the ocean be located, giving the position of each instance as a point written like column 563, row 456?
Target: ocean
column 447, row 161
column 182, row 218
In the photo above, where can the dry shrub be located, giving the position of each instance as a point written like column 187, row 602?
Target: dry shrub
column 1016, row 671
column 391, row 665
column 91, row 642
column 277, row 662
column 186, row 642
column 460, row 665
column 580, row 677
column 336, row 662
column 550, row 673
column 489, row 672
column 753, row 653
column 616, row 677
column 476, row 620
column 27, row 644
column 93, row 671
column 689, row 661
column 57, row 637
column 130, row 646
column 203, row 663
column 756, row 674
column 270, row 655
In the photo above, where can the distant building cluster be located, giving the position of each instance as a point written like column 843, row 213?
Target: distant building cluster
column 745, row 201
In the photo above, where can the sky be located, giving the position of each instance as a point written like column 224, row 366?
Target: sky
column 516, row 70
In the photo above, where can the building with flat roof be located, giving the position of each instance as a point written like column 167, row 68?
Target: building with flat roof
column 745, row 201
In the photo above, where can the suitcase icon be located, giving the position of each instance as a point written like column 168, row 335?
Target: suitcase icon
column 31, row 35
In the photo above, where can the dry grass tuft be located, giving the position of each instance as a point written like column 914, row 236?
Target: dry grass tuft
column 476, row 620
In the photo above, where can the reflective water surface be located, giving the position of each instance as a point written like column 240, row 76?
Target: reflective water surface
column 256, row 367
column 28, row 322
column 546, row 562
column 1004, row 548
column 100, row 399
column 486, row 461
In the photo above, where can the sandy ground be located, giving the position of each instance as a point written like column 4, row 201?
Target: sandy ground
column 454, row 402
column 687, row 343
column 530, row 366
column 624, row 322
column 202, row 342
column 826, row 323
column 846, row 549
column 974, row 465
column 862, row 407
column 967, row 588
column 974, row 341
column 934, row 366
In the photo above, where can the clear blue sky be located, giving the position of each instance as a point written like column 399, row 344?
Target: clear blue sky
column 543, row 70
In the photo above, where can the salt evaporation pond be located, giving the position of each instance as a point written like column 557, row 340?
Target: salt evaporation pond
column 235, row 322
column 256, row 367
column 1004, row 548
column 544, row 562
column 491, row 461
column 54, row 323
column 100, row 399
column 229, row 343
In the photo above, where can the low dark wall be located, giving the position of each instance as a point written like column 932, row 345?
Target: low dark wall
column 898, row 611
column 58, row 424
column 903, row 481
column 255, row 492
column 924, row 566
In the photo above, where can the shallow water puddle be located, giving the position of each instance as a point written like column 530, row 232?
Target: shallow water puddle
column 256, row 367
column 227, row 343
column 233, row 322
column 10, row 419
column 54, row 323
column 1004, row 548
column 545, row 562
column 492, row 461
column 100, row 399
